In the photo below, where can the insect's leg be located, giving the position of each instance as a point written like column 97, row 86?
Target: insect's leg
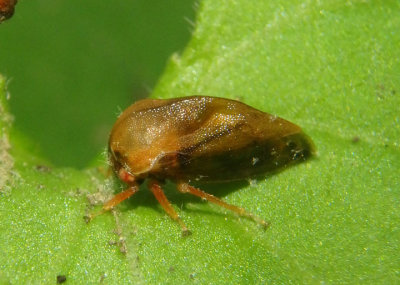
column 115, row 201
column 119, row 198
column 162, row 199
column 186, row 188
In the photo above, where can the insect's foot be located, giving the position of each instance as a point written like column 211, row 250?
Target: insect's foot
column 265, row 225
column 87, row 218
column 186, row 233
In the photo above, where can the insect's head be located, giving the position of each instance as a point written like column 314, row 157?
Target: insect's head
column 119, row 166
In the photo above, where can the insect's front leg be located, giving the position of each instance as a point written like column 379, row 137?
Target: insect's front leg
column 115, row 201
column 162, row 199
column 120, row 197
column 186, row 188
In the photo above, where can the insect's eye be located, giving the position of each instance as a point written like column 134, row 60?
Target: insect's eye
column 115, row 158
column 117, row 155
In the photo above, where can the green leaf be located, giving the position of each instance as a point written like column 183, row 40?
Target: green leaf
column 331, row 67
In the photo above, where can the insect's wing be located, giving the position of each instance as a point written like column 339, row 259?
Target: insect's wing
column 236, row 141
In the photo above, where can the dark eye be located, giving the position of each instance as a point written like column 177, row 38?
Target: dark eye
column 117, row 155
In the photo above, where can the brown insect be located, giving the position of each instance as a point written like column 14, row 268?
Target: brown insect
column 199, row 138
column 6, row 9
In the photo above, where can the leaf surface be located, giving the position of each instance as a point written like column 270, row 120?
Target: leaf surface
column 332, row 68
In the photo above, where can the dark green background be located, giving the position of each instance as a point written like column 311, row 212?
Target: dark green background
column 63, row 56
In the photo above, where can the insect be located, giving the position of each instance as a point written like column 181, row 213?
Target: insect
column 6, row 9
column 199, row 138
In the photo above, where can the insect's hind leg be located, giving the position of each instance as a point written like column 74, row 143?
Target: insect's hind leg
column 162, row 199
column 186, row 188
